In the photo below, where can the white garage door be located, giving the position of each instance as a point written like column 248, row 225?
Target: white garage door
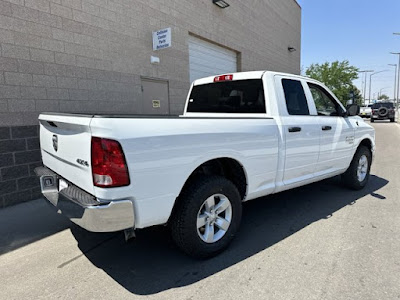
column 207, row 59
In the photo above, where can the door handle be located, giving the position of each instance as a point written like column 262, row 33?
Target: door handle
column 326, row 127
column 294, row 129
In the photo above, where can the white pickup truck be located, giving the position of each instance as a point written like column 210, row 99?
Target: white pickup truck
column 242, row 136
column 366, row 111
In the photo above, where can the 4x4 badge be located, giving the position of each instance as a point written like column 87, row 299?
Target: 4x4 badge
column 82, row 162
column 55, row 142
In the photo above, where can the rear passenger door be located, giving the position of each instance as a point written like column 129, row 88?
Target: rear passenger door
column 301, row 131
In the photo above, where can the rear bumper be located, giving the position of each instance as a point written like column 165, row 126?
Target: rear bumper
column 378, row 117
column 82, row 208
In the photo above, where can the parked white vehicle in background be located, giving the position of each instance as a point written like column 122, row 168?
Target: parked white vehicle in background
column 366, row 111
column 242, row 136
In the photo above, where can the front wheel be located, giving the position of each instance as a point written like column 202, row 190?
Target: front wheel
column 357, row 175
column 207, row 216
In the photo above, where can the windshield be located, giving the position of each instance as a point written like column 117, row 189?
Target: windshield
column 239, row 96
column 378, row 105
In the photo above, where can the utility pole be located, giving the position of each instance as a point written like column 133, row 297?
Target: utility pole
column 365, row 80
column 395, row 82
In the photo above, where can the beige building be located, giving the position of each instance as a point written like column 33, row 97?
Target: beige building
column 97, row 56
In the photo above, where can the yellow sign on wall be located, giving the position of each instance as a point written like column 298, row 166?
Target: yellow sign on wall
column 156, row 103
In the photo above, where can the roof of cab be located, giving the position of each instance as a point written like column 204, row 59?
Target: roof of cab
column 245, row 75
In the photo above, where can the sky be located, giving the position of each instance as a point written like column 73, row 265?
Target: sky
column 359, row 31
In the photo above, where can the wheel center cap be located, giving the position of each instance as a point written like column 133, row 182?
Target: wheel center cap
column 213, row 217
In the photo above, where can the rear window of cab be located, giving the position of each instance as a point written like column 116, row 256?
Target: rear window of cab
column 239, row 96
column 379, row 105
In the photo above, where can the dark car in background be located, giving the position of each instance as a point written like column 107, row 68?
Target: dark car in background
column 383, row 111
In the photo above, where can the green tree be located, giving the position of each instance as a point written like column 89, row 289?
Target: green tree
column 383, row 97
column 358, row 99
column 338, row 77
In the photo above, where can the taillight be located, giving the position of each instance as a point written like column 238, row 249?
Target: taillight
column 223, row 78
column 109, row 167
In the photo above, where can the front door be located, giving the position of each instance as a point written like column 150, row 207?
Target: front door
column 337, row 132
column 155, row 100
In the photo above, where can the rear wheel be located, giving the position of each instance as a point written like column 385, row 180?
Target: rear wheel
column 372, row 120
column 392, row 120
column 207, row 216
column 357, row 175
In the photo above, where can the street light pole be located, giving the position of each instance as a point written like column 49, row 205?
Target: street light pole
column 370, row 79
column 398, row 74
column 398, row 79
column 395, row 81
column 365, row 85
column 365, row 80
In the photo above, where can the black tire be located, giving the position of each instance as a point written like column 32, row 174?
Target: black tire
column 392, row 120
column 372, row 120
column 349, row 178
column 184, row 218
column 383, row 112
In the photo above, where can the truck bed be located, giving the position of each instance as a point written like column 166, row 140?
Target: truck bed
column 134, row 116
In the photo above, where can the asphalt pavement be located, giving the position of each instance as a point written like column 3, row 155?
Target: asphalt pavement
column 321, row 241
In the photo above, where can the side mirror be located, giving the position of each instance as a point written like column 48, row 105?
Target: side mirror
column 353, row 110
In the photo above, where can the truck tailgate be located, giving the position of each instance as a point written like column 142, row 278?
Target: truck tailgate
column 65, row 143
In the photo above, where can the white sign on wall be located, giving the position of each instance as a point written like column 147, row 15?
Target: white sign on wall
column 162, row 39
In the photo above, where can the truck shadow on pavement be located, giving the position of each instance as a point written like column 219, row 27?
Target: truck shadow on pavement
column 151, row 263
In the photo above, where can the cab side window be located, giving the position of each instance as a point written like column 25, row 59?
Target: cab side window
column 325, row 104
column 296, row 101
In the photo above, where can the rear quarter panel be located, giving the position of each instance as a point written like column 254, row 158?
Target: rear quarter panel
column 162, row 153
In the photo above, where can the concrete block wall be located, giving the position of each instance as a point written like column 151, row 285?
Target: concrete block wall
column 19, row 156
column 90, row 55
